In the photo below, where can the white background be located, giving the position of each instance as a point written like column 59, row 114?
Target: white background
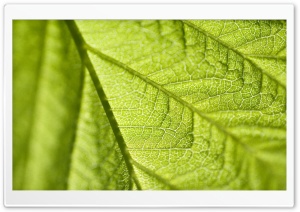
column 295, row 2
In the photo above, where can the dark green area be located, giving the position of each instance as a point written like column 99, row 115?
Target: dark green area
column 47, row 86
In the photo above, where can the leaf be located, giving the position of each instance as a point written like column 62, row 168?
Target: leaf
column 164, row 105
column 47, row 83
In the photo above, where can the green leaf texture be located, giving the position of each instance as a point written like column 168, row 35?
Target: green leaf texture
column 149, row 105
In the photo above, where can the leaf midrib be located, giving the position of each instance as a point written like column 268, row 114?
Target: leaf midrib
column 80, row 43
column 83, row 48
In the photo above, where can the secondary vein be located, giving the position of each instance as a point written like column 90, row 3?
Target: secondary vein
column 170, row 94
column 232, row 49
column 151, row 173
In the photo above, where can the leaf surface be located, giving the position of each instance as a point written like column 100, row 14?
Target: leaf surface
column 179, row 105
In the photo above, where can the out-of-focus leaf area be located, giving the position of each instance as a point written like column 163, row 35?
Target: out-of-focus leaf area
column 149, row 105
column 47, row 87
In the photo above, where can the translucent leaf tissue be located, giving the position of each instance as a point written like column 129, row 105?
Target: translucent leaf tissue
column 149, row 105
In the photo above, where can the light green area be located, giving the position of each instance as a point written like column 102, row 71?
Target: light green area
column 199, row 105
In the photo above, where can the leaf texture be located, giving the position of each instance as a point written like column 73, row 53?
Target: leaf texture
column 192, row 105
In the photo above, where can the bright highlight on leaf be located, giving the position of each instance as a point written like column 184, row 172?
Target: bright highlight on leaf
column 159, row 105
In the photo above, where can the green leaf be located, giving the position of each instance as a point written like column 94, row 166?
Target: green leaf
column 193, row 105
column 47, row 84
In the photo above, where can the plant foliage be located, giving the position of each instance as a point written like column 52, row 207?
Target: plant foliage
column 139, row 105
